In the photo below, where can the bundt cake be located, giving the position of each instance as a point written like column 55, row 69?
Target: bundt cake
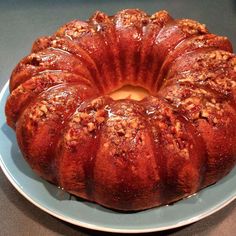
column 127, row 154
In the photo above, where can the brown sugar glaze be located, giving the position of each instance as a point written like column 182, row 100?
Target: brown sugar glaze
column 122, row 153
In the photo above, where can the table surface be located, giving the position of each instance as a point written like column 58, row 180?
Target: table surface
column 23, row 21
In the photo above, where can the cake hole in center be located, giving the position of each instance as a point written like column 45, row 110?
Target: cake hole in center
column 129, row 92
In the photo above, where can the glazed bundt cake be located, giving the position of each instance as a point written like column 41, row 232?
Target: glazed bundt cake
column 124, row 153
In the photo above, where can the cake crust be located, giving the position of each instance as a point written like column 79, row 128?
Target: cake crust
column 124, row 154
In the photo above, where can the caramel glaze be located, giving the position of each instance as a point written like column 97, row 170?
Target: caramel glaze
column 126, row 154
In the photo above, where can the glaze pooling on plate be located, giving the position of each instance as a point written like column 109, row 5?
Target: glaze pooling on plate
column 82, row 213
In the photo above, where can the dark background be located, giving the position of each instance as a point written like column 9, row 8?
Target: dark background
column 23, row 21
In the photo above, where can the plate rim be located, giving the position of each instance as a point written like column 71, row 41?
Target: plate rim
column 79, row 223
